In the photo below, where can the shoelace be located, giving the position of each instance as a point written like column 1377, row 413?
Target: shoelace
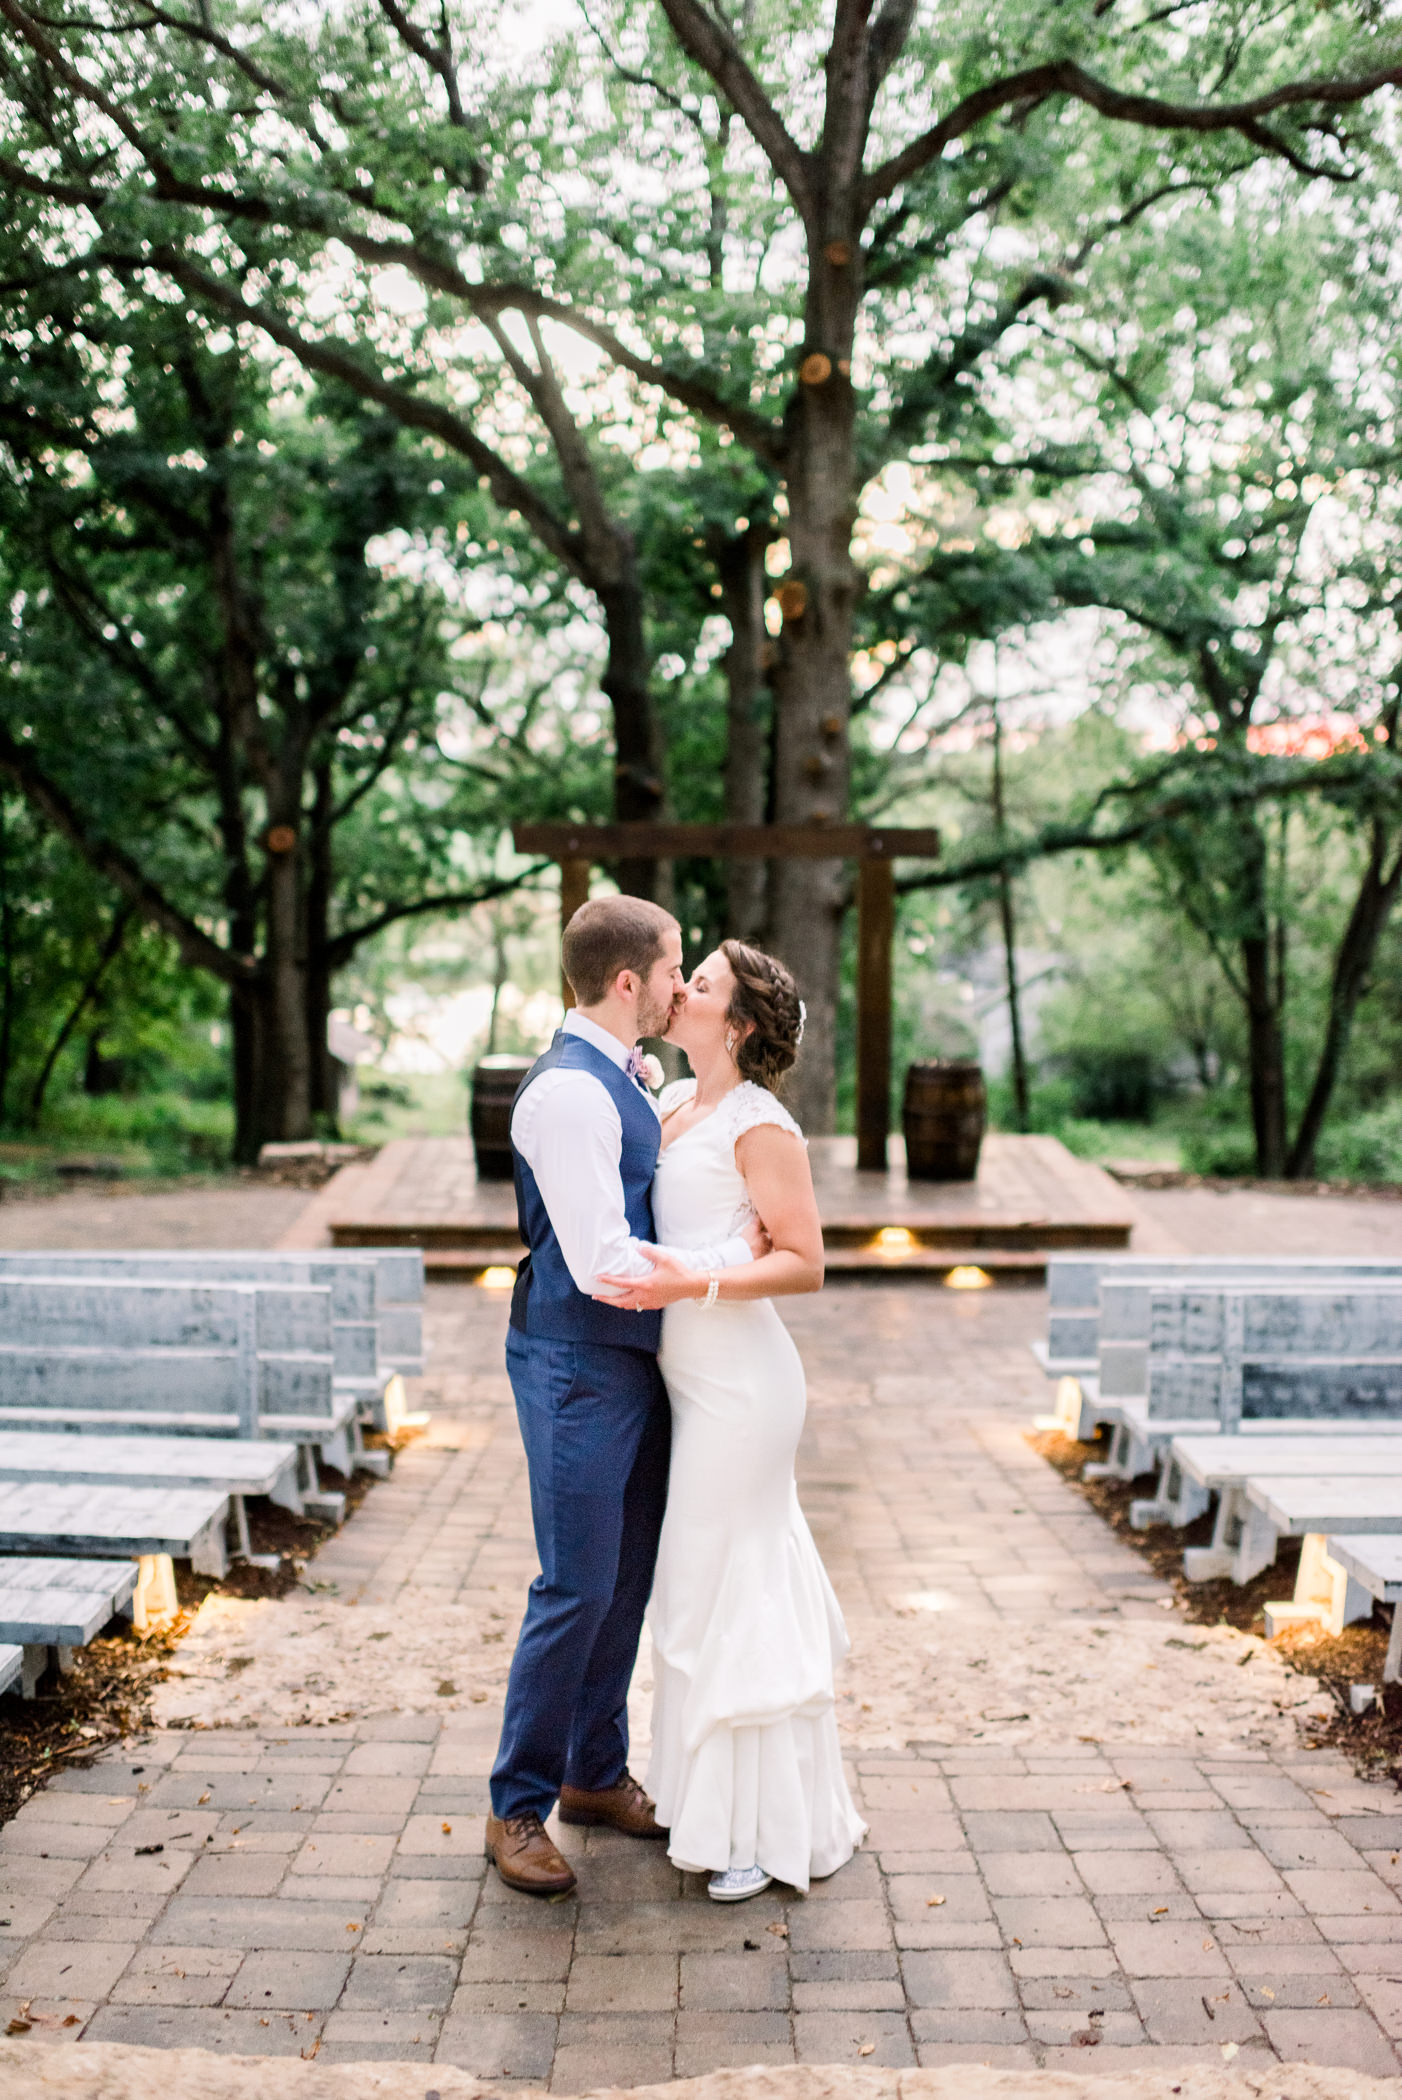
column 524, row 1826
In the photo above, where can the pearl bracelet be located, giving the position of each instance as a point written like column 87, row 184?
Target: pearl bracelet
column 712, row 1289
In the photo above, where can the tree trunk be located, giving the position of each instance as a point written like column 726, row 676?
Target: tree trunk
column 1377, row 893
column 1265, row 1037
column 110, row 948
column 7, row 965
column 639, row 792
column 1266, row 1052
column 286, row 1076
column 1008, row 920
column 812, row 684
column 245, row 1037
column 325, row 1080
column 739, row 560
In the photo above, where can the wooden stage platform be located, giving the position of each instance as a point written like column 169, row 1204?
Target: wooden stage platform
column 1031, row 1197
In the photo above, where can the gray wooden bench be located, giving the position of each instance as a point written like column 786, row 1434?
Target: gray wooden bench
column 1075, row 1282
column 47, row 1517
column 85, row 1353
column 1373, row 1561
column 50, row 1607
column 1224, row 1350
column 376, row 1300
column 237, row 1467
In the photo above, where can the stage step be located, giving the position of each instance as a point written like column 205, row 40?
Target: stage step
column 1002, row 1264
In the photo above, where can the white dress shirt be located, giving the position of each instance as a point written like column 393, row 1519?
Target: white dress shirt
column 568, row 1131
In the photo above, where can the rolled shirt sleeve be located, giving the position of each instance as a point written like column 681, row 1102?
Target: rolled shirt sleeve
column 571, row 1138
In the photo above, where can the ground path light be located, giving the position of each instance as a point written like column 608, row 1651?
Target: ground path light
column 496, row 1278
column 968, row 1278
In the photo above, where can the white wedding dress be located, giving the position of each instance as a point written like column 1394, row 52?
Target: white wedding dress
column 746, row 1632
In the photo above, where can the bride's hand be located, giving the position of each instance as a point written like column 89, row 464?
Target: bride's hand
column 666, row 1282
column 757, row 1239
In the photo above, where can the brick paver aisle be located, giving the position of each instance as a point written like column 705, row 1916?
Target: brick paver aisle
column 286, row 1890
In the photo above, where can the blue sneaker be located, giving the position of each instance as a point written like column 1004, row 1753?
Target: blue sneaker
column 738, row 1883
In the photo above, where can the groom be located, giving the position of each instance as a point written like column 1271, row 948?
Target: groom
column 593, row 1411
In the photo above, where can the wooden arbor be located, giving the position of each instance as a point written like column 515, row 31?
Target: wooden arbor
column 578, row 846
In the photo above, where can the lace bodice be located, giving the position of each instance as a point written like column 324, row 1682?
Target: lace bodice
column 699, row 1195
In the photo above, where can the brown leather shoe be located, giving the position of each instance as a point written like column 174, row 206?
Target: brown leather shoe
column 622, row 1807
column 525, row 1858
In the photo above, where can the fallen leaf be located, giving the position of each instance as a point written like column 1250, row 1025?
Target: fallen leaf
column 447, row 1830
column 934, row 1902
column 780, row 1932
column 1229, row 2050
column 18, row 2027
column 1266, row 1991
column 202, row 1800
column 71, row 2021
column 1161, row 1912
column 1087, row 2038
column 352, row 1928
column 145, row 1851
column 1324, row 2000
column 867, row 2049
column 1207, row 1946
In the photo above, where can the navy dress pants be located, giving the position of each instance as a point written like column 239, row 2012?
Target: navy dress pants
column 597, row 1429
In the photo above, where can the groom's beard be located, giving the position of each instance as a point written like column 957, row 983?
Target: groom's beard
column 654, row 1019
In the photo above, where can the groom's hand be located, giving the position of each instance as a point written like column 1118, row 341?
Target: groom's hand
column 668, row 1280
column 757, row 1239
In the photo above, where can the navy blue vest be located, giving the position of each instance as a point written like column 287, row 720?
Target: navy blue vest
column 545, row 1303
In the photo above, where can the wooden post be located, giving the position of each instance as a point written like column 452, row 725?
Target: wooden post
column 876, row 920
column 574, row 891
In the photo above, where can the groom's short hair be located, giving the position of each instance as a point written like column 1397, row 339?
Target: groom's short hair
column 609, row 934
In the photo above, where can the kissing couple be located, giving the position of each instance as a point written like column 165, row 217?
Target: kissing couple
column 661, row 1401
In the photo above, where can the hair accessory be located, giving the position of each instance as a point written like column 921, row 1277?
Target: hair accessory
column 802, row 1023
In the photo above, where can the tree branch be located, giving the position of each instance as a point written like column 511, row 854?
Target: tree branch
column 413, row 409
column 19, row 764
column 1065, row 77
column 341, row 949
column 715, row 50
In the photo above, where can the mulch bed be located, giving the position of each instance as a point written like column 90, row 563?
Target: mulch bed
column 107, row 1694
column 1373, row 1740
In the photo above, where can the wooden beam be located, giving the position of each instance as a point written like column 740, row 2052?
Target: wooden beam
column 876, row 920
column 574, row 891
column 596, row 842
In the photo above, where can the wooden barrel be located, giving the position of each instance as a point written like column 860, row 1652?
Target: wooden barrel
column 944, row 1118
column 494, row 1085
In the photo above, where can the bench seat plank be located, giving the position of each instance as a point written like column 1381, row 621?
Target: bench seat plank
column 1335, row 1501
column 65, row 1610
column 183, row 1522
column 248, row 1466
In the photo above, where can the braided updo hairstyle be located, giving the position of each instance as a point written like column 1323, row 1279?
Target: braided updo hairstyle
column 766, row 1002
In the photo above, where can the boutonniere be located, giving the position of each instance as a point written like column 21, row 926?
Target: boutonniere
column 651, row 1072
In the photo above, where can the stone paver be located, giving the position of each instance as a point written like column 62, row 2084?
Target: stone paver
column 324, row 1889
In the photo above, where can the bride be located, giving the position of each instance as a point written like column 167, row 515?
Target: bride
column 746, row 1768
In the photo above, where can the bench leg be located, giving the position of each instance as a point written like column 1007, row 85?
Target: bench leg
column 209, row 1551
column 285, row 1491
column 376, row 1462
column 319, row 1501
column 394, row 1407
column 1326, row 1594
column 1065, row 1417
column 35, row 1662
column 1214, row 1563
column 1392, row 1668
column 154, row 1599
